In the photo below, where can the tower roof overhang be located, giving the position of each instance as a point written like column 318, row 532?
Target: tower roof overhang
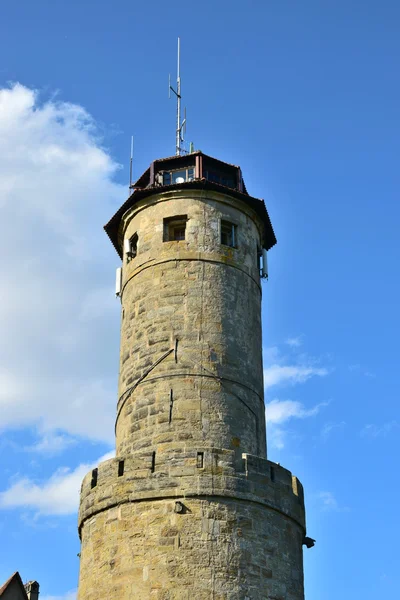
column 112, row 227
column 206, row 173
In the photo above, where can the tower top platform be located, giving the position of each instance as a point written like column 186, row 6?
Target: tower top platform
column 195, row 170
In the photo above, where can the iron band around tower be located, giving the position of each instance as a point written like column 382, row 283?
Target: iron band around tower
column 187, row 256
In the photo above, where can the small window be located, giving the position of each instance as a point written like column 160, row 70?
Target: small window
column 175, row 228
column 228, row 234
column 93, row 482
column 134, row 244
column 131, row 246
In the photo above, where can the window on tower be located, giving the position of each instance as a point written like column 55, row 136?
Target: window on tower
column 228, row 234
column 219, row 177
column 175, row 228
column 131, row 247
column 134, row 244
column 180, row 176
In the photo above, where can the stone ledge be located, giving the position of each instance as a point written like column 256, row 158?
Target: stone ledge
column 177, row 475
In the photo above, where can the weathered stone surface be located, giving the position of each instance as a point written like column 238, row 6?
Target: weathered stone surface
column 191, row 506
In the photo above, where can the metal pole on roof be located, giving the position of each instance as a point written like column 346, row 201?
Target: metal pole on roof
column 178, row 96
column 180, row 126
column 130, row 165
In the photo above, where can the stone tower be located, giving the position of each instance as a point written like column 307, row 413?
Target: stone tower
column 191, row 507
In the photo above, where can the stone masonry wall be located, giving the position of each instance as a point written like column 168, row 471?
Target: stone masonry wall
column 191, row 507
column 226, row 531
column 207, row 296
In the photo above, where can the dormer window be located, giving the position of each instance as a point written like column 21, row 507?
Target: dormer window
column 228, row 234
column 180, row 176
column 175, row 228
column 220, row 177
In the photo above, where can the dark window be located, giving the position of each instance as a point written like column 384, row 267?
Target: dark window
column 121, row 467
column 93, row 482
column 167, row 178
column 228, row 234
column 219, row 178
column 130, row 247
column 134, row 244
column 175, row 228
column 200, row 460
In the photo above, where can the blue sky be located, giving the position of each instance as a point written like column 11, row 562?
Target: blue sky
column 305, row 97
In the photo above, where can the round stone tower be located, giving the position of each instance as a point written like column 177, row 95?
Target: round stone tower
column 190, row 506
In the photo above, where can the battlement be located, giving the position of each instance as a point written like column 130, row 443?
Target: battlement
column 182, row 474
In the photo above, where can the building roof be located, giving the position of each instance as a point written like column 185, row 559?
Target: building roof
column 145, row 186
column 15, row 579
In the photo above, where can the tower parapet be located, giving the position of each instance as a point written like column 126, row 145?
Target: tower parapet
column 191, row 505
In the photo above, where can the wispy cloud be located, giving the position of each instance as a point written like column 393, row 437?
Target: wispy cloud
column 279, row 412
column 357, row 368
column 329, row 503
column 59, row 495
column 51, row 443
column 280, row 370
column 291, row 374
column 328, row 428
column 294, row 342
column 374, row 431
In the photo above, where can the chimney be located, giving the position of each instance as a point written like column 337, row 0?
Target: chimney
column 32, row 590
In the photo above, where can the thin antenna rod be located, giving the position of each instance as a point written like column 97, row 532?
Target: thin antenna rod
column 180, row 125
column 178, row 108
column 130, row 165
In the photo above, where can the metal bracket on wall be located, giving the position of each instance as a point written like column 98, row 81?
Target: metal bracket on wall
column 129, row 391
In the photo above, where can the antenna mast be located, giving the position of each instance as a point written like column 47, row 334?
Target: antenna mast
column 180, row 126
column 130, row 165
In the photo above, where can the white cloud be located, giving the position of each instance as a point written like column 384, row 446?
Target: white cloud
column 329, row 427
column 277, row 374
column 374, row 431
column 51, row 443
column 329, row 503
column 72, row 595
column 59, row 495
column 294, row 342
column 357, row 368
column 56, row 300
column 279, row 411
column 276, row 437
